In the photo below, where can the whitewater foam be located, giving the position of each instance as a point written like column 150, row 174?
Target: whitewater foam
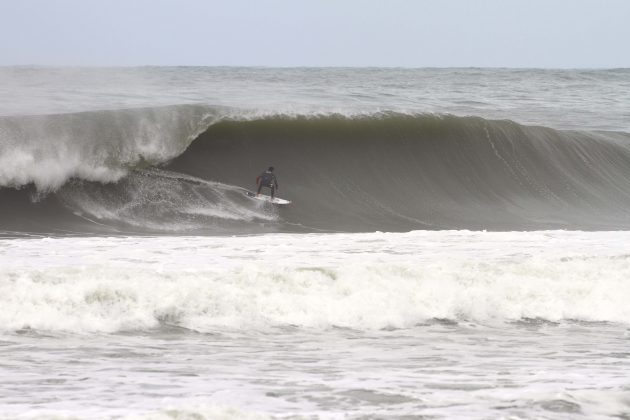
column 102, row 146
column 166, row 201
column 365, row 282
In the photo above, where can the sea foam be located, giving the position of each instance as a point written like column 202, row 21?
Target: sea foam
column 361, row 281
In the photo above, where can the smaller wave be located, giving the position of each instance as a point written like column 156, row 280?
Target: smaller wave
column 97, row 297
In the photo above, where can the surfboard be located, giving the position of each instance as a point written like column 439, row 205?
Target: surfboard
column 262, row 197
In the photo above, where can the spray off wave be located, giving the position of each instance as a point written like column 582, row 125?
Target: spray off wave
column 103, row 146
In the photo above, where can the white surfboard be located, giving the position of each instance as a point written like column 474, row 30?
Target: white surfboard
column 262, row 197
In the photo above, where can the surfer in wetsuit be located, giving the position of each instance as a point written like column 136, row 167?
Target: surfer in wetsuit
column 267, row 179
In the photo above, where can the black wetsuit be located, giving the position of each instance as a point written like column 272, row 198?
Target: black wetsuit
column 267, row 179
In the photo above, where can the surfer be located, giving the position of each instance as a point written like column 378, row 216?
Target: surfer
column 267, row 179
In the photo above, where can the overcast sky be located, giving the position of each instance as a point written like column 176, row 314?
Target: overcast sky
column 407, row 33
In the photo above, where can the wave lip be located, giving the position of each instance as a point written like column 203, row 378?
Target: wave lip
column 102, row 146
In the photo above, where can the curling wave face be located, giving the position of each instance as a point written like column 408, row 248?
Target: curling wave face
column 186, row 168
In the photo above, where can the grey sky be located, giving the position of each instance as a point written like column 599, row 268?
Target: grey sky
column 410, row 33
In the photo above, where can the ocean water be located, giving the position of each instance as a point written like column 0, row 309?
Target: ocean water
column 457, row 245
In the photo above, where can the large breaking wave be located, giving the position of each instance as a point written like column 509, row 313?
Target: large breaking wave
column 185, row 169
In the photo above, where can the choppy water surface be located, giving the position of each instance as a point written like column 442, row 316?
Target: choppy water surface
column 575, row 99
column 436, row 324
column 440, row 369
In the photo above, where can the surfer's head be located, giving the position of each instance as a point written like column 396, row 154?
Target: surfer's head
column 270, row 169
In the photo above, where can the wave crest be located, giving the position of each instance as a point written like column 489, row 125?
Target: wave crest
column 102, row 146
